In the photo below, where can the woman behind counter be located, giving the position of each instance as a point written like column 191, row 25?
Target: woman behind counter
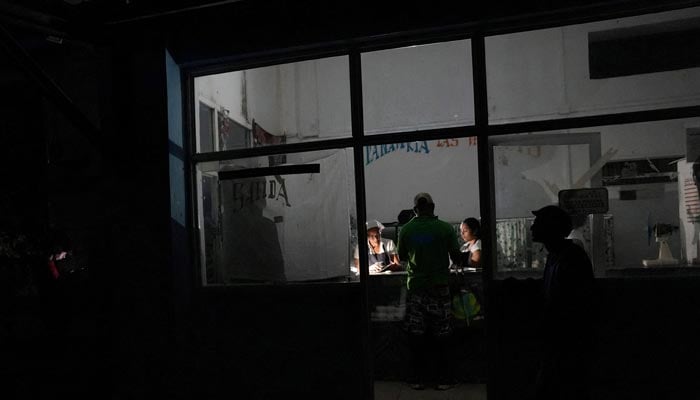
column 382, row 252
column 470, row 229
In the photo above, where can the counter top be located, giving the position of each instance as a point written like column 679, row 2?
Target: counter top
column 660, row 271
column 470, row 271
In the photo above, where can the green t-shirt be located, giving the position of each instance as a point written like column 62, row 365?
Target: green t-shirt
column 425, row 244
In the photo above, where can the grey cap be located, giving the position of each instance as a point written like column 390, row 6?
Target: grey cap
column 427, row 199
column 374, row 224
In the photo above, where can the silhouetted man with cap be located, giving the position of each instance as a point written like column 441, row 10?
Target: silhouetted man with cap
column 566, row 319
column 426, row 244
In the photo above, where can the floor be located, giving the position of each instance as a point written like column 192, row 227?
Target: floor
column 388, row 390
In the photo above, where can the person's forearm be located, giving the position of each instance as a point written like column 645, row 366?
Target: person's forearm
column 476, row 258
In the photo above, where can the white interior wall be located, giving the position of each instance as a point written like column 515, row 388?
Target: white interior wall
column 654, row 139
column 418, row 87
column 333, row 87
column 264, row 97
column 223, row 90
column 544, row 74
column 448, row 173
column 288, row 111
column 303, row 100
column 627, row 93
column 307, row 98
column 266, row 102
column 525, row 75
column 529, row 177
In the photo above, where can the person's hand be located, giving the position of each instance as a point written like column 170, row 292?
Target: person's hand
column 58, row 256
column 378, row 267
column 395, row 267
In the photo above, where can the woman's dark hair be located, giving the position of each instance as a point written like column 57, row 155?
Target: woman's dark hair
column 474, row 226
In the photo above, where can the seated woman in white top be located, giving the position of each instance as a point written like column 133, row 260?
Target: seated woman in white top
column 470, row 229
column 382, row 252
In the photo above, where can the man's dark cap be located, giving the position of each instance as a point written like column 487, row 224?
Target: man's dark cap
column 556, row 218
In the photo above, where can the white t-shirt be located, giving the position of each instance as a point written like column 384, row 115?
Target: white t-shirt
column 476, row 246
column 385, row 246
column 466, row 247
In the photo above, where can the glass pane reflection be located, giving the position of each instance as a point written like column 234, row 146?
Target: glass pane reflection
column 280, row 225
column 286, row 103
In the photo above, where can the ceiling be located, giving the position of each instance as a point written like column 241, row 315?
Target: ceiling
column 211, row 29
column 81, row 15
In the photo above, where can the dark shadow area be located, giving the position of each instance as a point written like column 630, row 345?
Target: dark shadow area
column 643, row 338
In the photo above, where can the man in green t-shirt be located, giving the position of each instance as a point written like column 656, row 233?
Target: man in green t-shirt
column 426, row 244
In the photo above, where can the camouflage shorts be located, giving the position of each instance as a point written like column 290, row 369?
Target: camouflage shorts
column 429, row 311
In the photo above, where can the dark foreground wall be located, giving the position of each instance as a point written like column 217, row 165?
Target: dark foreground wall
column 646, row 334
column 170, row 337
column 278, row 342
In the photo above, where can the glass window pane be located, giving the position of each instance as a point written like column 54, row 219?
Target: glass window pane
column 286, row 103
column 612, row 66
column 206, row 128
column 646, row 169
column 446, row 168
column 396, row 172
column 262, row 222
column 418, row 87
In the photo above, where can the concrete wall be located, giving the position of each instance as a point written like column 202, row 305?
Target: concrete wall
column 304, row 100
column 544, row 73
